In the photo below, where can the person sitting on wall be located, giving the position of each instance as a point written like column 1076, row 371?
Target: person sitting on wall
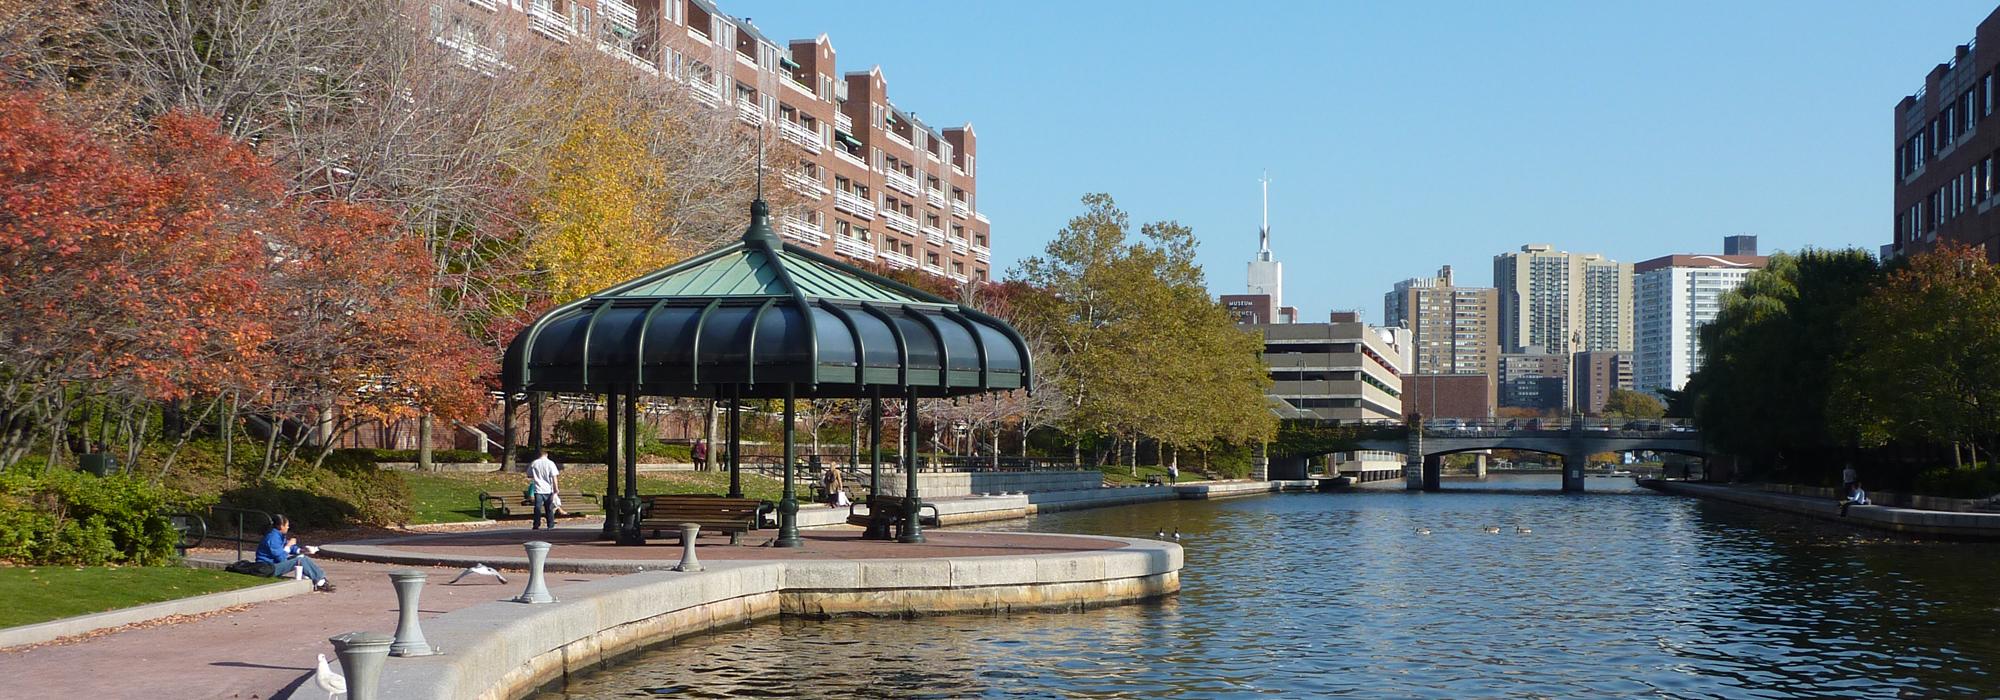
column 283, row 553
column 1855, row 497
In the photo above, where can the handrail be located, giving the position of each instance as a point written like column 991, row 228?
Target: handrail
column 241, row 537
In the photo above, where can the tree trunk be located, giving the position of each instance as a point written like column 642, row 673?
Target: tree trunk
column 1134, row 457
column 227, row 430
column 423, row 441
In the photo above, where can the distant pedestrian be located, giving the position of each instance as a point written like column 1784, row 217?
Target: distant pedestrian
column 542, row 490
column 1173, row 473
column 830, row 485
column 700, row 453
column 1855, row 497
column 1849, row 480
column 282, row 551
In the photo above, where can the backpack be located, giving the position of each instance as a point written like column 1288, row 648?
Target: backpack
column 254, row 568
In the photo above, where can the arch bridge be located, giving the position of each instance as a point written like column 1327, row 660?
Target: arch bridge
column 1425, row 447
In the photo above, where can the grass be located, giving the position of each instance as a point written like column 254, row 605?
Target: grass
column 1122, row 474
column 43, row 593
column 453, row 497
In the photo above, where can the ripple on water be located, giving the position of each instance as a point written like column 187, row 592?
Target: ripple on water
column 1611, row 595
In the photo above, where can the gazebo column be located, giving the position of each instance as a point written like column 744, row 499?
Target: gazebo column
column 913, row 531
column 508, row 436
column 735, row 441
column 788, row 507
column 610, row 530
column 877, row 530
column 628, row 507
column 535, row 421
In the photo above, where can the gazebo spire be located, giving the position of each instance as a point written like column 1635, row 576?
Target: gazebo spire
column 760, row 223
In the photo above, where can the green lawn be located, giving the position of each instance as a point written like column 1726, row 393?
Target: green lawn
column 43, row 593
column 1122, row 474
column 453, row 497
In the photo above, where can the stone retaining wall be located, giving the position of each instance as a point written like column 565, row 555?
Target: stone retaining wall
column 1982, row 526
column 949, row 484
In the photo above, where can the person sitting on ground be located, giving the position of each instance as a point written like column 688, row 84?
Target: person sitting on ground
column 542, row 490
column 283, row 553
column 1855, row 497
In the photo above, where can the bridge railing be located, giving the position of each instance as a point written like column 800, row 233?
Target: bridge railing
column 1652, row 427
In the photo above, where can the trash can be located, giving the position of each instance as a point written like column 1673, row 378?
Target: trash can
column 97, row 463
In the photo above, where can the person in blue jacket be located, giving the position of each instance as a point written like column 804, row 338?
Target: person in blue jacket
column 282, row 552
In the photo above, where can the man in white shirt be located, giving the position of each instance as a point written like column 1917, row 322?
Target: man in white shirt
column 542, row 487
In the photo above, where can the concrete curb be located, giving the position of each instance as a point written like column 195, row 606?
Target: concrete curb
column 447, row 527
column 84, row 624
column 1909, row 521
column 507, row 650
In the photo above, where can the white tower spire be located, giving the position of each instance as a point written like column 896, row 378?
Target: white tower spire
column 1264, row 233
column 1266, row 275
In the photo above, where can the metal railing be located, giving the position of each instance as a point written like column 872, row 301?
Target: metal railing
column 242, row 520
column 800, row 134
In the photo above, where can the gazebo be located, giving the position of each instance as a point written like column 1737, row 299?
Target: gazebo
column 759, row 318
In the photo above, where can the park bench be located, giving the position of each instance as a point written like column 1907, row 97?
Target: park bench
column 665, row 513
column 573, row 503
column 887, row 511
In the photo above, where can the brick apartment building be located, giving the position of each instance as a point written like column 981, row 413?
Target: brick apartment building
column 881, row 184
column 1945, row 184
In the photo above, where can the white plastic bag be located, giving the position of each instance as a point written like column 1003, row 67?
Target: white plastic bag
column 840, row 499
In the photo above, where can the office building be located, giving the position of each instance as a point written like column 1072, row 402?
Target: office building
column 1451, row 327
column 1343, row 370
column 1673, row 297
column 880, row 184
column 1458, row 396
column 1593, row 375
column 1563, row 302
column 1533, row 380
column 1944, row 177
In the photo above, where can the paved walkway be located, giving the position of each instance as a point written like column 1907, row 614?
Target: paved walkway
column 252, row 652
column 580, row 543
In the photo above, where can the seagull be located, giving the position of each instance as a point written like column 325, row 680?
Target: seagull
column 1492, row 530
column 1423, row 531
column 1518, row 530
column 480, row 569
column 332, row 683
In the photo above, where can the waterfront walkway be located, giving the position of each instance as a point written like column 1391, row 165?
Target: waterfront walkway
column 1911, row 521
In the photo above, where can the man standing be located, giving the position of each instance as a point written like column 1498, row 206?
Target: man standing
column 542, row 487
column 700, row 453
column 1849, row 479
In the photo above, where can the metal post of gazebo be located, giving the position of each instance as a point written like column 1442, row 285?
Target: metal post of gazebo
column 788, row 506
column 628, row 505
column 877, row 530
column 535, row 422
column 508, row 435
column 735, row 441
column 913, row 531
column 610, row 497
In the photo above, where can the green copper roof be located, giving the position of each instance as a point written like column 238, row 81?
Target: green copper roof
column 746, row 271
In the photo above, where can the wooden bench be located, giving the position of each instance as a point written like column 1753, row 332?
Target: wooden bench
column 577, row 503
column 665, row 513
column 888, row 512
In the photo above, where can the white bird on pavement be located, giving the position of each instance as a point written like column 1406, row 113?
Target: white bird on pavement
column 332, row 683
column 480, row 569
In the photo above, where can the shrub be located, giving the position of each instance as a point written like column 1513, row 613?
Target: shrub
column 1228, row 461
column 73, row 518
column 364, row 454
column 586, row 435
column 344, row 491
column 668, row 452
column 1963, row 482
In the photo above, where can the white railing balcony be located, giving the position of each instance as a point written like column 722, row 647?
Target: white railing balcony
column 698, row 35
column 626, row 55
column 935, row 198
column 852, row 159
column 981, row 217
column 854, row 204
column 843, row 122
column 934, row 234
column 897, row 260
column 958, row 245
column 748, row 112
column 798, row 229
column 959, row 277
column 488, row 5
column 982, row 253
column 933, row 156
column 806, row 184
column 956, row 168
column 959, row 209
column 893, row 136
column 899, row 221
column 900, row 182
column 475, row 54
column 802, row 89
column 619, row 11
column 705, row 91
column 853, row 248
column 934, row 269
column 806, row 137
column 542, row 17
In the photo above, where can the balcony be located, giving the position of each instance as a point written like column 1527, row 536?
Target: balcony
column 959, row 246
column 802, row 89
column 542, row 17
column 898, row 138
column 900, row 182
column 474, row 54
column 934, row 198
column 806, row 137
column 934, row 269
column 899, row 221
column 619, row 11
column 981, row 218
column 488, row 5
column 705, row 91
column 806, row 185
column 853, row 248
column 982, row 253
column 959, row 209
column 810, row 234
column 748, row 112
column 851, row 159
column 854, row 204
column 935, row 235
column 626, row 55
column 843, row 122
column 959, row 277
column 897, row 260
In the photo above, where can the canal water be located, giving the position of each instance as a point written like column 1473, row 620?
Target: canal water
column 1614, row 593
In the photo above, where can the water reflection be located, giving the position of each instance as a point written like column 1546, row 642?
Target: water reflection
column 1609, row 595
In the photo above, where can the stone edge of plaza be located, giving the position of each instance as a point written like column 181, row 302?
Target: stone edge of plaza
column 506, row 650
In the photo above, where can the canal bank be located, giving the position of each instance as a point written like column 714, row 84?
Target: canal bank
column 1909, row 521
column 508, row 650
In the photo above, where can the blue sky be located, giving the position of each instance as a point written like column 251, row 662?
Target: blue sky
column 1404, row 136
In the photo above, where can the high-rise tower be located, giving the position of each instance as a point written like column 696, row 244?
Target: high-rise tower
column 1267, row 276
